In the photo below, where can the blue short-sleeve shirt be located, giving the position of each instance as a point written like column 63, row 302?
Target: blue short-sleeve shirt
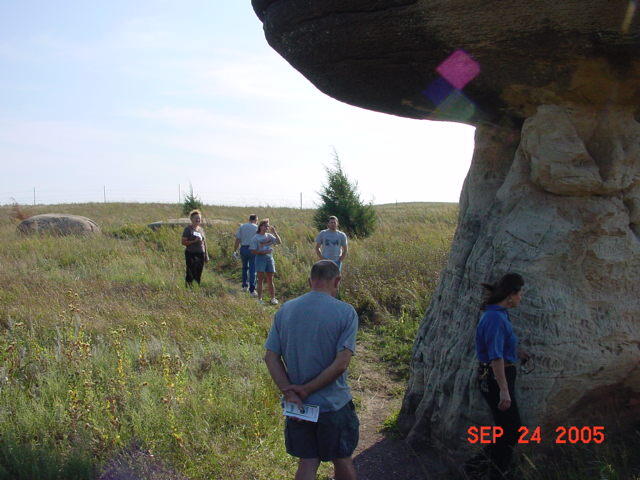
column 246, row 232
column 495, row 337
column 308, row 332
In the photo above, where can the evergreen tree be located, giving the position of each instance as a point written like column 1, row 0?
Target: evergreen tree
column 340, row 198
column 191, row 202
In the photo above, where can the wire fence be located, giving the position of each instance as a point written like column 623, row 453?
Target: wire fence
column 153, row 194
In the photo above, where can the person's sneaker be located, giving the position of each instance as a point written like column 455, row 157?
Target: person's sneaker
column 245, row 289
column 253, row 294
column 274, row 301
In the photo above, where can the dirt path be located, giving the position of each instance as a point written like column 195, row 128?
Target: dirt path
column 380, row 456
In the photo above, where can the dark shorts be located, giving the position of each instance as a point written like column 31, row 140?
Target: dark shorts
column 334, row 436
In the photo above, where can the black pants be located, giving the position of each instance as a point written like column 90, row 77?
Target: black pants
column 195, row 264
column 501, row 452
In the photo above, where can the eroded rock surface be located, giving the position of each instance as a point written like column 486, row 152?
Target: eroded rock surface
column 58, row 224
column 564, row 213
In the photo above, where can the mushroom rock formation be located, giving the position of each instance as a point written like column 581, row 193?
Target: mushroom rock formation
column 553, row 191
column 58, row 224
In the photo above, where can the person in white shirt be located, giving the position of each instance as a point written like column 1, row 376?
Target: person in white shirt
column 244, row 235
column 262, row 246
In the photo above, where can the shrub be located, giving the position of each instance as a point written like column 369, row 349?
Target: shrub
column 191, row 202
column 340, row 198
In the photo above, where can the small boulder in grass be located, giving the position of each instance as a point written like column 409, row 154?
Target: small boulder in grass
column 58, row 224
column 173, row 222
column 183, row 222
column 135, row 463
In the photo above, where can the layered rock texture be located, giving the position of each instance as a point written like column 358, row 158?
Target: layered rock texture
column 388, row 55
column 58, row 224
column 553, row 191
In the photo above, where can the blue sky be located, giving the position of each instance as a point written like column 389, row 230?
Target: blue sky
column 146, row 97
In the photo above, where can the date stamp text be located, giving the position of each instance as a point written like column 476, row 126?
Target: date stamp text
column 570, row 435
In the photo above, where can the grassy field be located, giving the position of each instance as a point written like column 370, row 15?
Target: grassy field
column 103, row 349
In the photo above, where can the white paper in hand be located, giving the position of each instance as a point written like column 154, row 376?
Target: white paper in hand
column 308, row 412
column 197, row 235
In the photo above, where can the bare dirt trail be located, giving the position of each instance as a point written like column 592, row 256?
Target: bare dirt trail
column 380, row 456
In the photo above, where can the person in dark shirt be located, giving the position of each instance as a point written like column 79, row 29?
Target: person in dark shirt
column 195, row 254
column 497, row 351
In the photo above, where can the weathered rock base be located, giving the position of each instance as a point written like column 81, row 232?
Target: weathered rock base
column 559, row 203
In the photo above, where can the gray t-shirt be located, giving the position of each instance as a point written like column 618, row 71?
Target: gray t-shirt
column 332, row 243
column 190, row 234
column 263, row 243
column 246, row 232
column 308, row 332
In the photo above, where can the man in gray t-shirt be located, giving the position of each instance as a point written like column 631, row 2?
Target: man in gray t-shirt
column 309, row 348
column 332, row 244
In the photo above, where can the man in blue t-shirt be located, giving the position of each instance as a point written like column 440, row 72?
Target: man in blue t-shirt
column 309, row 348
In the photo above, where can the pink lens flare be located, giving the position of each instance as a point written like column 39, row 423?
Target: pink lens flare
column 459, row 69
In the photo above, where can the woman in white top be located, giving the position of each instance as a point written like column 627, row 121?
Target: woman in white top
column 262, row 247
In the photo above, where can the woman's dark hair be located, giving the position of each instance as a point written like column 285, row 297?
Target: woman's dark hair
column 497, row 292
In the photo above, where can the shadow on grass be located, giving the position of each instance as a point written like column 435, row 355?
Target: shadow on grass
column 28, row 462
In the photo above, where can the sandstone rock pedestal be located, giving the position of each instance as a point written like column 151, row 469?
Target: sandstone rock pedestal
column 564, row 214
column 553, row 192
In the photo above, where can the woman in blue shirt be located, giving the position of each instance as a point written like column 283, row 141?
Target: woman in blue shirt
column 497, row 351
